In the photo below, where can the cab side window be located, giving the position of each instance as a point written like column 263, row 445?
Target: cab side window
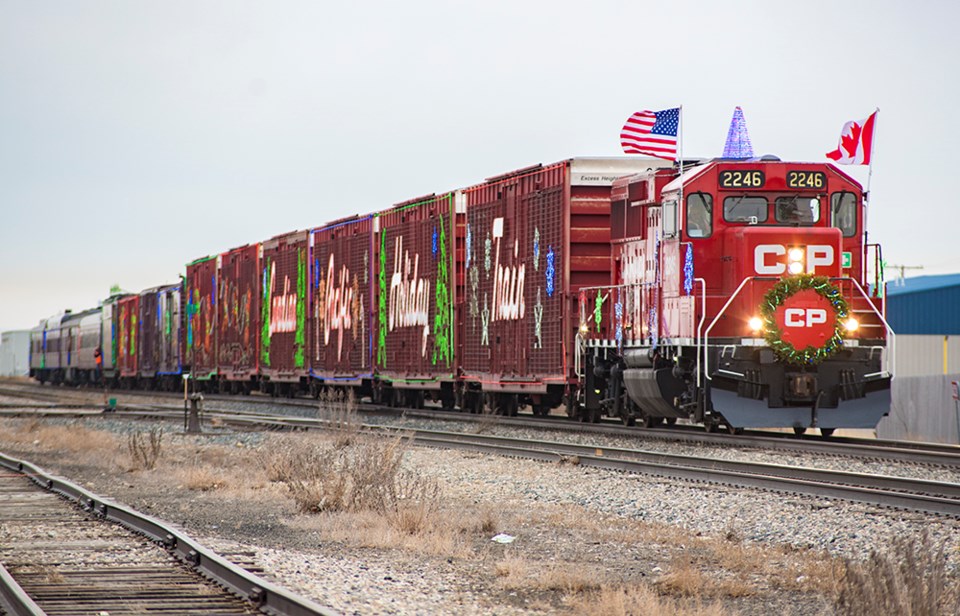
column 843, row 212
column 699, row 215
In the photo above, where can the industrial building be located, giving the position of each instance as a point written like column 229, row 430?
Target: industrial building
column 924, row 313
column 14, row 353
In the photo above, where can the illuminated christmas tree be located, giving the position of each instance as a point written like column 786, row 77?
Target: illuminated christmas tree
column 738, row 140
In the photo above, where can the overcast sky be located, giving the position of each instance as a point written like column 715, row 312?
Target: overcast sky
column 138, row 136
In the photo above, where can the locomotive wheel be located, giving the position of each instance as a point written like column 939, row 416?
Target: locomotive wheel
column 651, row 422
column 799, row 430
column 628, row 420
column 826, row 431
column 447, row 403
column 671, row 421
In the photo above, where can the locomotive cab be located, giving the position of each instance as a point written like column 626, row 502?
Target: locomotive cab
column 739, row 298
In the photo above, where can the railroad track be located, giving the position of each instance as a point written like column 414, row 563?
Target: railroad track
column 930, row 497
column 929, row 454
column 67, row 551
column 940, row 498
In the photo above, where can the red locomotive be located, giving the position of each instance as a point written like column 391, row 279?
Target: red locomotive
column 733, row 293
column 738, row 298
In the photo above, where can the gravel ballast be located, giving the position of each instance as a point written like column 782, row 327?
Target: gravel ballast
column 565, row 519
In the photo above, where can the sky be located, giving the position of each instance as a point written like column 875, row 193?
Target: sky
column 138, row 136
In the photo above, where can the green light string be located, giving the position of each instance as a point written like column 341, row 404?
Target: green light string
column 442, row 320
column 382, row 304
column 779, row 293
column 300, row 338
column 265, row 313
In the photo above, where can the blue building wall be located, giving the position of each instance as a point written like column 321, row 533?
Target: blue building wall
column 925, row 305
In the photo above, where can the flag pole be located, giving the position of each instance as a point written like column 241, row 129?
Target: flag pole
column 873, row 150
column 680, row 118
column 867, row 199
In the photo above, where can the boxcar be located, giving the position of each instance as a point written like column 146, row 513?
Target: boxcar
column 109, row 333
column 534, row 238
column 128, row 339
column 160, row 336
column 283, row 325
column 416, row 274
column 342, row 304
column 238, row 321
column 200, row 348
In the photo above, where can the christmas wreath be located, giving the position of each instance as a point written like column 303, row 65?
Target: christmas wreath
column 782, row 291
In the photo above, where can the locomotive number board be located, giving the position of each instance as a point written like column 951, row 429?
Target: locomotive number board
column 806, row 179
column 742, row 178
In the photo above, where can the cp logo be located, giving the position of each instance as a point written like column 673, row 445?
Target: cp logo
column 771, row 259
column 804, row 317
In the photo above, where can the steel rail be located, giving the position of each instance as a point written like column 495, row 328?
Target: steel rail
column 268, row 597
column 935, row 454
column 904, row 493
column 876, row 490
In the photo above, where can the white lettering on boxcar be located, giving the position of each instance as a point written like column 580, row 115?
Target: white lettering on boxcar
column 409, row 294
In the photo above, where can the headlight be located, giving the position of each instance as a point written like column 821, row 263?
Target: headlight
column 755, row 323
column 851, row 324
column 795, row 260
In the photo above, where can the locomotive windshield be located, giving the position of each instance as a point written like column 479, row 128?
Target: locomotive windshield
column 745, row 209
column 797, row 210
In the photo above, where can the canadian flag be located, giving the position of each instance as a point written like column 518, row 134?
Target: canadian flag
column 856, row 142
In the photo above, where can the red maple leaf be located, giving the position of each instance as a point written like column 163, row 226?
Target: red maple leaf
column 849, row 141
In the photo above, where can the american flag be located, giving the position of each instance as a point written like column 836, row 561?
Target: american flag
column 652, row 132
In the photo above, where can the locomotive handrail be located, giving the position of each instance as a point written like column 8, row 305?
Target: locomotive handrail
column 703, row 317
column 891, row 337
column 706, row 334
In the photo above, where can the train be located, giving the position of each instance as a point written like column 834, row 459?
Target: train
column 727, row 293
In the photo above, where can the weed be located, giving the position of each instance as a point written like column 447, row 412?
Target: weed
column 144, row 452
column 908, row 579
column 339, row 409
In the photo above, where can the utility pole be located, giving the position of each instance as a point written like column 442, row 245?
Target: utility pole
column 902, row 269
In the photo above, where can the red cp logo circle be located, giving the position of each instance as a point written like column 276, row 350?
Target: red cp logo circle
column 806, row 319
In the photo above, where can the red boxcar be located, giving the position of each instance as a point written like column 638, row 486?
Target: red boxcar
column 238, row 321
column 341, row 303
column 416, row 273
column 128, row 337
column 283, row 326
column 160, row 335
column 534, row 238
column 201, row 307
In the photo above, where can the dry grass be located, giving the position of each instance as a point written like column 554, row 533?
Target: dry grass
column 362, row 474
column 687, row 579
column 74, row 438
column 909, row 579
column 638, row 601
column 200, row 478
column 519, row 573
